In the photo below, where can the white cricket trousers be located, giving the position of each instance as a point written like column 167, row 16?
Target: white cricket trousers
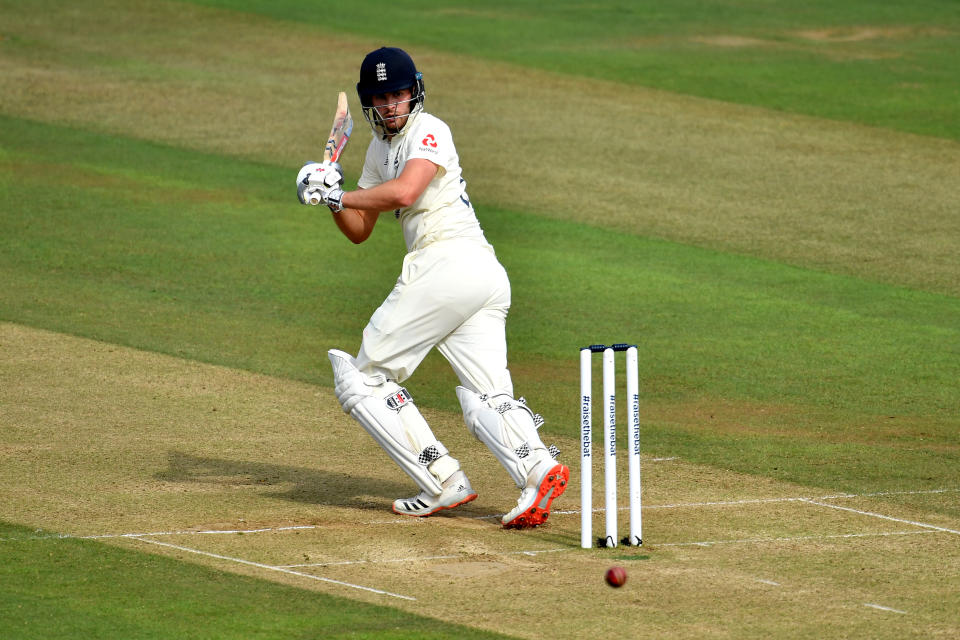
column 453, row 295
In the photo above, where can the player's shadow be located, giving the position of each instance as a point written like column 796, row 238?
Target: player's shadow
column 299, row 484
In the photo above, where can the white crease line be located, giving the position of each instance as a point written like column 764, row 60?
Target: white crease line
column 888, row 493
column 421, row 559
column 708, row 543
column 340, row 563
column 727, row 503
column 274, row 568
column 882, row 608
column 191, row 532
column 880, row 515
column 683, row 505
column 769, row 582
column 703, row 543
column 720, row 503
column 700, row 543
column 415, row 521
column 733, row 503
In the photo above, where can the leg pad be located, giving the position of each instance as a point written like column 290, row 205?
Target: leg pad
column 387, row 412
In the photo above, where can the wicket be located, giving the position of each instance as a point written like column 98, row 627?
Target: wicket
column 635, row 538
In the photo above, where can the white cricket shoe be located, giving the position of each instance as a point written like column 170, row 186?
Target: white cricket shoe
column 456, row 491
column 547, row 482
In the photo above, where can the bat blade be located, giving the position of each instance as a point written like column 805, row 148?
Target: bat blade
column 340, row 132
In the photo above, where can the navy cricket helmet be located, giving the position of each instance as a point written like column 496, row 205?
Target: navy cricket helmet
column 386, row 70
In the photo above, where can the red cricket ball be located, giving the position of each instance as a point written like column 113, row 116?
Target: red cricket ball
column 616, row 576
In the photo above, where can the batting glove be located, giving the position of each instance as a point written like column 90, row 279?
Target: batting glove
column 315, row 178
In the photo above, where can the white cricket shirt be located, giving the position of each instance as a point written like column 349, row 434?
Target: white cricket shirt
column 443, row 211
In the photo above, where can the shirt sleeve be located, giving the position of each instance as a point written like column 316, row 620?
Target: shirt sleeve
column 434, row 142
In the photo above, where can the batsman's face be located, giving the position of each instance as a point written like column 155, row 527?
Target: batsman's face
column 393, row 108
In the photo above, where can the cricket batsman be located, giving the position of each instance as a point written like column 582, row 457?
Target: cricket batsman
column 452, row 294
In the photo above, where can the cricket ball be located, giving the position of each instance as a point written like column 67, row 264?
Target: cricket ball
column 616, row 576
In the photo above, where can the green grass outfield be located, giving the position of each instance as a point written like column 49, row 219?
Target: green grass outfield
column 888, row 64
column 770, row 214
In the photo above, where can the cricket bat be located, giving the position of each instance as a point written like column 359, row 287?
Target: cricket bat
column 340, row 132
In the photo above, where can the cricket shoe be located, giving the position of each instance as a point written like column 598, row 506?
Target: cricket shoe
column 456, row 491
column 533, row 507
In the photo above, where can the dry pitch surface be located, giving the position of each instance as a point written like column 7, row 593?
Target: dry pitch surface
column 267, row 477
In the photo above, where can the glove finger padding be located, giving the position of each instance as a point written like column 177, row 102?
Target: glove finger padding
column 333, row 177
column 325, row 175
column 315, row 179
column 302, row 184
column 306, row 170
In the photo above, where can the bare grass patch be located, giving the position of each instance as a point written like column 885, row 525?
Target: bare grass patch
column 732, row 41
column 865, row 33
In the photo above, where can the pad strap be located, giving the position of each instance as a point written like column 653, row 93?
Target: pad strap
column 508, row 428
